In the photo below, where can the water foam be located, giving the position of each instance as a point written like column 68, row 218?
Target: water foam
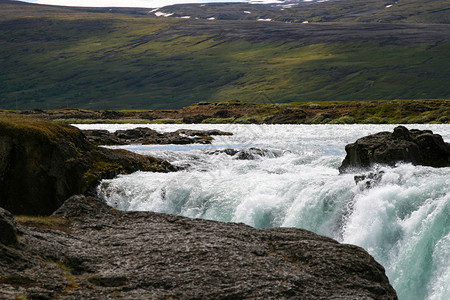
column 403, row 220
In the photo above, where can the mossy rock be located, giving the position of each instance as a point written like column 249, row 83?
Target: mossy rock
column 42, row 163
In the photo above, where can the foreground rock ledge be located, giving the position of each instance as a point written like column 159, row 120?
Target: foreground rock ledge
column 419, row 147
column 88, row 250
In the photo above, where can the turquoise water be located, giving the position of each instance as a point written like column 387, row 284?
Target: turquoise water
column 403, row 221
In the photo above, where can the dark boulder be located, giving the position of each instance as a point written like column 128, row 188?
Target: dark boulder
column 193, row 132
column 419, row 147
column 42, row 163
column 102, row 137
column 110, row 254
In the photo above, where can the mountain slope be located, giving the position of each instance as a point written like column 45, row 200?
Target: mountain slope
column 55, row 57
column 392, row 11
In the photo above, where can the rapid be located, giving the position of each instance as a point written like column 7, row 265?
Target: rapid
column 290, row 178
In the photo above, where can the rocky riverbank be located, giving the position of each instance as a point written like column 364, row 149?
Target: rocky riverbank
column 43, row 163
column 88, row 250
column 337, row 112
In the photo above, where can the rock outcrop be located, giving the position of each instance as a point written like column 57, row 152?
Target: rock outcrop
column 419, row 147
column 97, row 252
column 42, row 163
column 143, row 135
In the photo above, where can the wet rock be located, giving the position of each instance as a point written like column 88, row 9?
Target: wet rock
column 419, row 147
column 102, row 137
column 145, row 255
column 192, row 132
column 42, row 163
column 8, row 231
column 369, row 180
column 248, row 154
column 145, row 136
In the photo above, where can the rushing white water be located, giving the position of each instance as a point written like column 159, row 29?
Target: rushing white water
column 403, row 221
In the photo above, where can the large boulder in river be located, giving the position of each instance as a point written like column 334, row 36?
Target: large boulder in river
column 87, row 250
column 419, row 147
column 42, row 163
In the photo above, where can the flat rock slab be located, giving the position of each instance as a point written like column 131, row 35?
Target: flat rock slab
column 103, row 253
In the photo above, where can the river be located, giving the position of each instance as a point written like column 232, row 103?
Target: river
column 293, row 181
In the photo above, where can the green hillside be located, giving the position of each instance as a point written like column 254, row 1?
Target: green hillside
column 54, row 57
column 392, row 11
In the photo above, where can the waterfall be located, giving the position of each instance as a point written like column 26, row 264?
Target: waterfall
column 291, row 180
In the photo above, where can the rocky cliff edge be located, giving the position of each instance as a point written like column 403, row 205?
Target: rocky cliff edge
column 42, row 163
column 87, row 250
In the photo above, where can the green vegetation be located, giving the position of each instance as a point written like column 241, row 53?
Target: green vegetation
column 57, row 57
column 91, row 177
column 370, row 11
column 410, row 11
column 36, row 129
column 324, row 112
column 405, row 112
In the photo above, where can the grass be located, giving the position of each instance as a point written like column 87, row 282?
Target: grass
column 409, row 11
column 35, row 129
column 368, row 11
column 98, row 168
column 52, row 59
column 403, row 112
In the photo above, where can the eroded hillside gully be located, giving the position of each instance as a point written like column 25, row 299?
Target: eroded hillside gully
column 287, row 176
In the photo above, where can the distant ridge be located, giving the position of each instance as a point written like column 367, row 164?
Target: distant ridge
column 129, row 58
column 391, row 11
